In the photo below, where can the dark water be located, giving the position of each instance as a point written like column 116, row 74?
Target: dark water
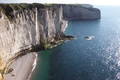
column 80, row 59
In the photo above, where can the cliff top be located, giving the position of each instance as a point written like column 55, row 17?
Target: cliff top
column 8, row 8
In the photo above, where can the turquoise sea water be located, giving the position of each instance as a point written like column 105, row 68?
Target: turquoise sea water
column 80, row 59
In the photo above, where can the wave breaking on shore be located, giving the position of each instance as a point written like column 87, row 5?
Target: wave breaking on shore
column 34, row 65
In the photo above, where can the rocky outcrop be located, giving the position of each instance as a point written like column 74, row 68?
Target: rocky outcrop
column 80, row 12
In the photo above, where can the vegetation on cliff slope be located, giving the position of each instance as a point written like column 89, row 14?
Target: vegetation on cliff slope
column 57, row 41
column 8, row 9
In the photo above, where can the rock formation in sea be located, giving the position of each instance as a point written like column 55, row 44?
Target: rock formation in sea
column 32, row 27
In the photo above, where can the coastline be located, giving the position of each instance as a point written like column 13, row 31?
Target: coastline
column 22, row 67
column 30, row 34
column 34, row 66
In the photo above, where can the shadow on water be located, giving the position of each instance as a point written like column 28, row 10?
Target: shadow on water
column 41, row 71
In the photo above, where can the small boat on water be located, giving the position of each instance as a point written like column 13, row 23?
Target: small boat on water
column 88, row 37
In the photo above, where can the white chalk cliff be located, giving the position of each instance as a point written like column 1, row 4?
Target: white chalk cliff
column 80, row 12
column 31, row 29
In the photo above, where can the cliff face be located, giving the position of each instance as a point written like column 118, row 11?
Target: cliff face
column 80, row 12
column 23, row 30
column 28, row 29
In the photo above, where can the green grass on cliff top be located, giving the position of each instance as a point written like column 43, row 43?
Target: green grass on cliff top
column 8, row 8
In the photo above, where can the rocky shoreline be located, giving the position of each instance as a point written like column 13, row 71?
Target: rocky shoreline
column 26, row 63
